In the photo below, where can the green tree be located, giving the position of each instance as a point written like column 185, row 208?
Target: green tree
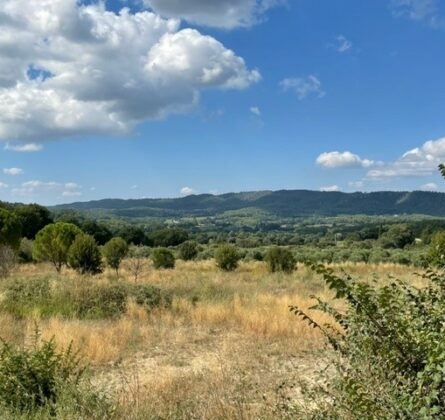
column 33, row 218
column 227, row 257
column 397, row 236
column 436, row 253
column 188, row 250
column 84, row 255
column 10, row 229
column 53, row 243
column 114, row 251
column 98, row 231
column 280, row 259
column 163, row 258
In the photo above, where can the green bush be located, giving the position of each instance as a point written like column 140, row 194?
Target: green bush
column 114, row 251
column 227, row 257
column 34, row 377
column 436, row 252
column 25, row 251
column 10, row 229
column 84, row 255
column 280, row 259
column 188, row 250
column 391, row 350
column 150, row 297
column 163, row 258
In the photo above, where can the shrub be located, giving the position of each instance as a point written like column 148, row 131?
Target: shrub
column 84, row 255
column 280, row 259
column 137, row 260
column 227, row 257
column 150, row 297
column 25, row 250
column 163, row 258
column 188, row 250
column 390, row 349
column 10, row 229
column 114, row 251
column 436, row 252
column 8, row 260
column 34, row 377
column 53, row 243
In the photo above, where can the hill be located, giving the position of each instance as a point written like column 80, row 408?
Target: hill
column 285, row 203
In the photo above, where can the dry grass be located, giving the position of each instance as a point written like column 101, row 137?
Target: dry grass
column 221, row 350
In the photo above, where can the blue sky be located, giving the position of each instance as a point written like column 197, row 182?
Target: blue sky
column 337, row 95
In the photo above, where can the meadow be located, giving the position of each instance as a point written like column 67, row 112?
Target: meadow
column 217, row 345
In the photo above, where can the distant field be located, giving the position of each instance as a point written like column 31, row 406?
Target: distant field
column 226, row 348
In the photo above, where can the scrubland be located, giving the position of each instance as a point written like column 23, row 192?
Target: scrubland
column 225, row 346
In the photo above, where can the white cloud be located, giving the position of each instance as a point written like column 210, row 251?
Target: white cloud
column 36, row 187
column 187, row 191
column 419, row 10
column 330, row 188
column 356, row 185
column 13, row 171
column 420, row 161
column 342, row 44
column 3, row 185
column 343, row 160
column 256, row 111
column 97, row 72
column 303, row 86
column 24, row 148
column 227, row 14
column 430, row 186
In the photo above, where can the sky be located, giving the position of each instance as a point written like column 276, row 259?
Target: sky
column 167, row 98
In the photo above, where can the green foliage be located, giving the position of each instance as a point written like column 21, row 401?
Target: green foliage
column 34, row 377
column 227, row 257
column 53, row 243
column 10, row 229
column 436, row 253
column 168, row 237
column 25, row 250
column 163, row 258
column 280, row 259
column 188, row 250
column 98, row 231
column 84, row 255
column 8, row 260
column 114, row 251
column 33, row 219
column 397, row 236
column 150, row 297
column 133, row 235
column 390, row 346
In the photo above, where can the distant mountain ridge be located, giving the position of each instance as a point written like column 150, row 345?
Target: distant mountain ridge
column 285, row 203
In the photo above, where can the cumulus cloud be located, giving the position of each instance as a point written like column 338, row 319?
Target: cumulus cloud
column 68, row 69
column 256, row 111
column 303, row 86
column 430, row 186
column 420, row 161
column 36, row 187
column 419, row 10
column 342, row 44
column 226, row 14
column 13, row 171
column 330, row 188
column 343, row 160
column 24, row 148
column 185, row 191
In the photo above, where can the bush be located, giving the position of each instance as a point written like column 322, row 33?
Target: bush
column 10, row 229
column 436, row 252
column 114, row 251
column 280, row 259
column 137, row 260
column 390, row 349
column 53, row 243
column 227, row 257
column 188, row 250
column 8, row 260
column 84, row 255
column 25, row 251
column 163, row 258
column 150, row 297
column 34, row 377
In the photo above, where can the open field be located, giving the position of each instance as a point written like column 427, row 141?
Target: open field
column 227, row 347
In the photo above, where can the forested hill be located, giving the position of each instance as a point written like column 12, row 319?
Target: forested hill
column 281, row 203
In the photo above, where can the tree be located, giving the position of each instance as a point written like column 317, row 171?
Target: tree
column 114, row 251
column 168, row 237
column 280, row 259
column 53, row 243
column 227, row 257
column 137, row 260
column 98, row 231
column 397, row 236
column 33, row 218
column 133, row 235
column 163, row 258
column 188, row 250
column 436, row 253
column 10, row 229
column 84, row 255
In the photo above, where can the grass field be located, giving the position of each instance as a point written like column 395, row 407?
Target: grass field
column 226, row 348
